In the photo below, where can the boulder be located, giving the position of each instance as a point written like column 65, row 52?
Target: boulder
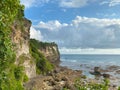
column 97, row 71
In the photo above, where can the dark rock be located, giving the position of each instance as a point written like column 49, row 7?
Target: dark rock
column 64, row 79
column 106, row 75
column 114, row 86
column 113, row 68
column 118, row 71
column 97, row 71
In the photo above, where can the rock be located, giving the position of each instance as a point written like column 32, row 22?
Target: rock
column 118, row 71
column 65, row 78
column 112, row 68
column 97, row 71
column 20, row 37
column 106, row 75
column 51, row 52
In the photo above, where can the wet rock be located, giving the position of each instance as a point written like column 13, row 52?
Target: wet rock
column 97, row 71
column 106, row 75
column 118, row 71
column 112, row 68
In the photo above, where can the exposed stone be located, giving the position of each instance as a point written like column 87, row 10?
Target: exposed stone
column 51, row 52
column 64, row 79
column 97, row 71
column 118, row 71
column 106, row 75
column 20, row 39
column 112, row 68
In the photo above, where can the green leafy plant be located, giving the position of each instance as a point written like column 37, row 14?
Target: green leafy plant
column 9, row 11
column 42, row 64
column 18, row 72
column 25, row 79
column 80, row 85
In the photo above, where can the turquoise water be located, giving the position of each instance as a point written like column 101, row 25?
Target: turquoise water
column 86, row 63
column 76, row 61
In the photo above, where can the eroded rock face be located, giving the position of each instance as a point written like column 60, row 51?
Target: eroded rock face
column 20, row 39
column 51, row 52
column 20, row 36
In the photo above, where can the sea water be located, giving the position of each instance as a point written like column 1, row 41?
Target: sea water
column 86, row 63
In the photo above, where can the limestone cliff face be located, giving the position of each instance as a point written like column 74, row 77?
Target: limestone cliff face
column 51, row 52
column 21, row 44
column 20, row 38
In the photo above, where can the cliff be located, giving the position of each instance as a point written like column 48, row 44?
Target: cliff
column 36, row 57
column 51, row 52
column 20, row 39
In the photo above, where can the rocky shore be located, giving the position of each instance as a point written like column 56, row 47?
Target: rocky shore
column 58, row 79
column 109, row 72
column 62, row 77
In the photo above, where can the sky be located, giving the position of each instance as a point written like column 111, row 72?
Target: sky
column 76, row 24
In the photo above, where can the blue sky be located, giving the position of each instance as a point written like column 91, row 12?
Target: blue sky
column 46, row 10
column 75, row 23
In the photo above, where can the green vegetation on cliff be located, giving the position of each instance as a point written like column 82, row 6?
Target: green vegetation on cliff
column 10, row 77
column 42, row 64
column 42, row 45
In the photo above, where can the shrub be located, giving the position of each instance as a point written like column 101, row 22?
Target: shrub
column 42, row 64
column 18, row 72
column 25, row 79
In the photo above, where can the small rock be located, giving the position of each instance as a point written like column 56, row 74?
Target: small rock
column 106, row 75
column 97, row 71
column 118, row 71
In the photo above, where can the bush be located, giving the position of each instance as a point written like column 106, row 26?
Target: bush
column 25, row 79
column 91, row 86
column 42, row 64
column 18, row 72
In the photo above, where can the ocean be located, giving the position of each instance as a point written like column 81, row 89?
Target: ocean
column 88, row 62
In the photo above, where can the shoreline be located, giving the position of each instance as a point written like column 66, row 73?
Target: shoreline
column 112, row 70
column 63, row 77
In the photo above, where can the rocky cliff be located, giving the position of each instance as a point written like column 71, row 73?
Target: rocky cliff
column 20, row 38
column 21, row 44
column 51, row 52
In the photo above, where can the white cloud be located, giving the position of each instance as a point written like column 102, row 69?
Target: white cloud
column 82, row 32
column 89, row 51
column 111, row 3
column 35, row 34
column 95, row 21
column 75, row 3
column 33, row 3
column 114, row 2
column 51, row 25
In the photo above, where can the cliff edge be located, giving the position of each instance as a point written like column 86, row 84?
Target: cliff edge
column 20, row 39
column 36, row 57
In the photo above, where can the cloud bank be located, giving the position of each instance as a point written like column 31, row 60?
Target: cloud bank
column 75, row 3
column 68, row 3
column 61, row 3
column 111, row 3
column 89, row 51
column 82, row 32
